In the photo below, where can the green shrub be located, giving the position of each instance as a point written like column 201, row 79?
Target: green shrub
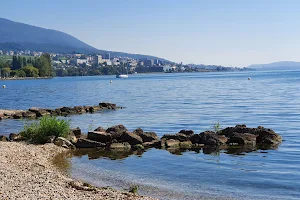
column 134, row 189
column 38, row 132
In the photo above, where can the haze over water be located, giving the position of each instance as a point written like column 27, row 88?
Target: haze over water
column 167, row 103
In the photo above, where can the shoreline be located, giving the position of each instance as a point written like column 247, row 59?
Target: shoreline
column 28, row 172
column 23, row 78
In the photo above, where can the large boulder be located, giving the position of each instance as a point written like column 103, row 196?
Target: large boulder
column 153, row 143
column 243, row 139
column 117, row 131
column 171, row 143
column 146, row 136
column 99, row 136
column 131, row 138
column 268, row 136
column 63, row 142
column 186, row 145
column 17, row 115
column 86, row 143
column 76, row 132
column 100, row 129
column 207, row 138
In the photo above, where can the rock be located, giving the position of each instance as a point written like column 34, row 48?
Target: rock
column 117, row 131
column 153, row 143
column 29, row 114
column 131, row 138
column 39, row 112
column 171, row 143
column 3, row 138
column 17, row 115
column 268, row 136
column 179, row 136
column 107, row 105
column 86, row 143
column 207, row 138
column 187, row 132
column 100, row 129
column 148, row 136
column 163, row 142
column 99, row 136
column 63, row 142
column 79, row 109
column 15, row 137
column 76, row 132
column 186, row 145
column 124, row 146
column 72, row 138
column 50, row 139
column 138, row 131
column 243, row 139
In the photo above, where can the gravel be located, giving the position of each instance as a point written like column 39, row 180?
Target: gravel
column 27, row 172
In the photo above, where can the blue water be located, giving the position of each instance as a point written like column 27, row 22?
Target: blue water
column 167, row 103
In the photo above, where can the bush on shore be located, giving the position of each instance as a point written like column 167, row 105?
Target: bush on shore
column 38, row 132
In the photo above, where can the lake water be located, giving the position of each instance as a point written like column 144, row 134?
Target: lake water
column 167, row 103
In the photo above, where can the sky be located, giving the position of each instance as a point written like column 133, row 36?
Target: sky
column 223, row 32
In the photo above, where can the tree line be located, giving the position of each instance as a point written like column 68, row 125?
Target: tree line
column 27, row 67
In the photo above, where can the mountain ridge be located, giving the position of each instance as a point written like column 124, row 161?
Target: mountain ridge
column 280, row 65
column 21, row 36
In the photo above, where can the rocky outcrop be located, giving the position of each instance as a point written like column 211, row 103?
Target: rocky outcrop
column 63, row 111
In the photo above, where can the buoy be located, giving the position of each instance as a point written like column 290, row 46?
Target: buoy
column 249, row 78
column 3, row 86
column 110, row 81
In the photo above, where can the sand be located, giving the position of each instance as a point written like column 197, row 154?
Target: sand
column 27, row 172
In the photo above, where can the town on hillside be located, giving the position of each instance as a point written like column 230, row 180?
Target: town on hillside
column 27, row 64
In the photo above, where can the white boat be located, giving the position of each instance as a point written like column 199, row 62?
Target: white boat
column 122, row 76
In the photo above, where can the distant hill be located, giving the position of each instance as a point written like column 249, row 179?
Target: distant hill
column 20, row 36
column 282, row 65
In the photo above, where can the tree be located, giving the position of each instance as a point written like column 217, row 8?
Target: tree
column 43, row 64
column 20, row 73
column 6, row 71
column 15, row 64
column 30, row 71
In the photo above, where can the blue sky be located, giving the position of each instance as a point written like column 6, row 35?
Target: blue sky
column 226, row 32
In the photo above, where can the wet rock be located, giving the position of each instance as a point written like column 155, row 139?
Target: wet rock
column 148, row 136
column 131, row 138
column 179, row 136
column 39, row 112
column 207, row 138
column 186, row 145
column 29, row 114
column 17, row 115
column 100, row 129
column 63, row 142
column 99, row 136
column 153, row 143
column 79, row 109
column 124, row 146
column 76, row 132
column 171, row 143
column 187, row 132
column 107, row 105
column 117, row 131
column 86, row 143
column 268, row 136
column 3, row 138
column 243, row 139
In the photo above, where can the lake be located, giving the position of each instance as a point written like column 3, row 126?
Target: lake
column 167, row 103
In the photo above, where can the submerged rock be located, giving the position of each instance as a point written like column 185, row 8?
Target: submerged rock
column 86, row 143
column 124, row 146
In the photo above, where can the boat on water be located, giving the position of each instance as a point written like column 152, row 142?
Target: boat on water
column 122, row 76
